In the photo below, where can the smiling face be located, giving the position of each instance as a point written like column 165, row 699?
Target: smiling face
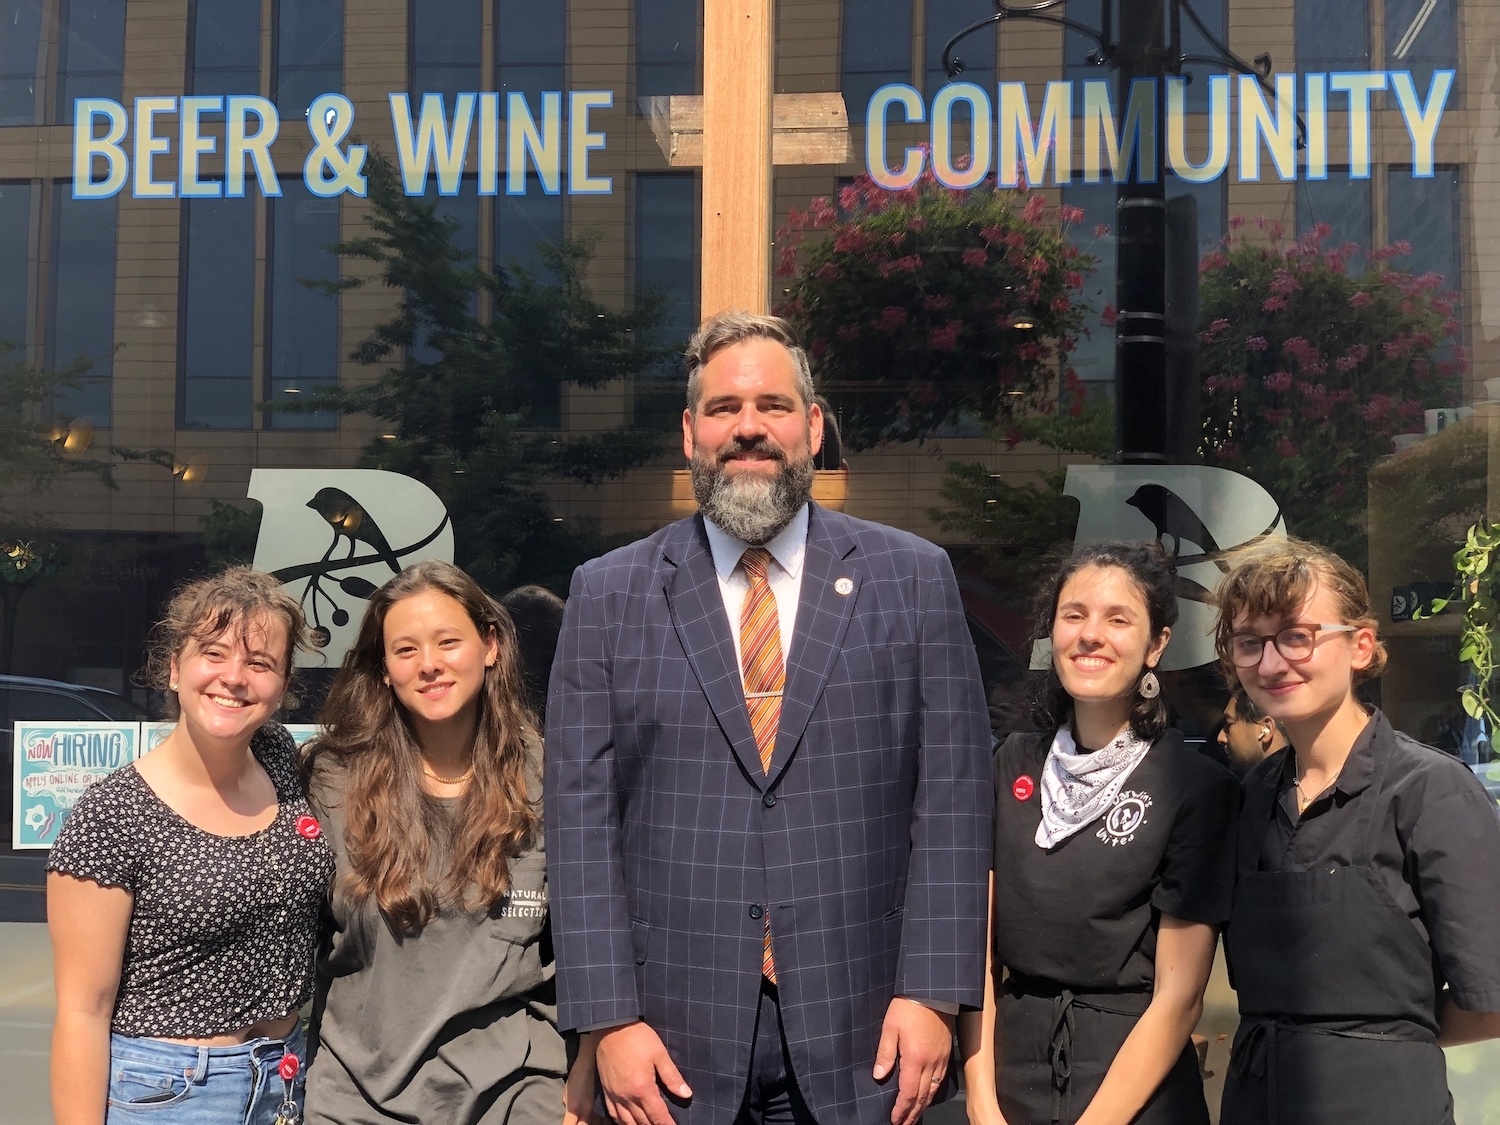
column 1101, row 635
column 751, row 440
column 1314, row 688
column 435, row 659
column 230, row 684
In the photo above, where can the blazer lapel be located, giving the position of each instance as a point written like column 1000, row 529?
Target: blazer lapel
column 697, row 609
column 830, row 587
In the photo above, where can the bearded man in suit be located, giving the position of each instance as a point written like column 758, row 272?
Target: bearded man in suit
column 768, row 789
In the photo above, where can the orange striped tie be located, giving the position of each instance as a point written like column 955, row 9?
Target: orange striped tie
column 765, row 680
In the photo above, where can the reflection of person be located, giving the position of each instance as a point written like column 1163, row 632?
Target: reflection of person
column 537, row 613
column 435, row 994
column 1113, row 866
column 184, row 890
column 1367, row 908
column 1247, row 733
column 766, row 737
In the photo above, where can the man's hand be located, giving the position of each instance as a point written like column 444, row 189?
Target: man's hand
column 923, row 1040
column 631, row 1061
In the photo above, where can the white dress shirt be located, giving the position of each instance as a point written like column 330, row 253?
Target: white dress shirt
column 787, row 548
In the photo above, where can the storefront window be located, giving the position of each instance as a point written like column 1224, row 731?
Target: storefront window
column 489, row 224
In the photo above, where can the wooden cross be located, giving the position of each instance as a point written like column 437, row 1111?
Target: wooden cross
column 736, row 132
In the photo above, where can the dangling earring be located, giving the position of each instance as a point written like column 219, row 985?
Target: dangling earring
column 1150, row 686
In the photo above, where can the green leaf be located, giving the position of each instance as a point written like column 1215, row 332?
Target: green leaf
column 1472, row 706
column 1467, row 653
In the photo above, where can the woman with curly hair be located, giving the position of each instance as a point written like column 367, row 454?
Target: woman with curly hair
column 436, row 999
column 184, row 890
column 1113, row 866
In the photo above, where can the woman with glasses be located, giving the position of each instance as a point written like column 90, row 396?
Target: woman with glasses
column 1113, row 867
column 1367, row 908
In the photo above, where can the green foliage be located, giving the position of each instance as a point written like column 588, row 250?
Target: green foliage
column 926, row 306
column 230, row 532
column 34, row 446
column 1476, row 568
column 1309, row 370
column 467, row 402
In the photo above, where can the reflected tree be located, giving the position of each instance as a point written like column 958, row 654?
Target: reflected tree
column 931, row 307
column 471, row 368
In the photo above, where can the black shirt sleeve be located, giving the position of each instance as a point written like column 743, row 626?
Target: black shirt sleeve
column 1197, row 870
column 1454, row 851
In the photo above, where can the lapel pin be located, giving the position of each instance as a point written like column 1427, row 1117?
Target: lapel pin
column 844, row 586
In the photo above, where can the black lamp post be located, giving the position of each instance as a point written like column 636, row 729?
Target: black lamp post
column 1156, row 378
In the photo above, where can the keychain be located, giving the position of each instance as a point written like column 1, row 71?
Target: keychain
column 288, row 1114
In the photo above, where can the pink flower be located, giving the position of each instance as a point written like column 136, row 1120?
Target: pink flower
column 1273, row 304
column 1109, row 316
column 1256, row 343
column 851, row 240
column 309, row 829
column 937, row 302
column 786, row 262
column 1278, row 382
column 975, row 258
column 1101, row 230
column 1061, row 305
column 892, row 319
column 991, row 233
column 828, row 272
column 1036, row 207
column 849, row 197
column 945, row 339
column 1067, row 213
column 1359, row 300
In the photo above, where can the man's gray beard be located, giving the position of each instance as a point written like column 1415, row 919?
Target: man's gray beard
column 747, row 505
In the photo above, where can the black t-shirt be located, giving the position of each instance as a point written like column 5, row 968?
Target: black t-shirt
column 1435, row 847
column 1085, row 913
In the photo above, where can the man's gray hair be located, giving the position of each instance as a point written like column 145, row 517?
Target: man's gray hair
column 735, row 327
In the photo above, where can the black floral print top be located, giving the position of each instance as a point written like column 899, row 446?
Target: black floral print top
column 222, row 928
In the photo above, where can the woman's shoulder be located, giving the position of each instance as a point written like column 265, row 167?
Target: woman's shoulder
column 1022, row 750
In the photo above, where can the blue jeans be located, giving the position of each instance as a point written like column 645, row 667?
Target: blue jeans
column 175, row 1084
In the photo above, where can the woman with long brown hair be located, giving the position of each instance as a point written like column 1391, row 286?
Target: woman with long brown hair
column 435, row 993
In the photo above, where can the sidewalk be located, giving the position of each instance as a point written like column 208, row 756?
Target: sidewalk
column 26, row 1003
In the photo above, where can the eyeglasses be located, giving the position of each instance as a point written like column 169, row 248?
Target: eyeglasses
column 1295, row 643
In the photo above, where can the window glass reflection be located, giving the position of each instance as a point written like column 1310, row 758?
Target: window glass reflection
column 1421, row 36
column 304, row 328
column 20, row 39
column 524, row 224
column 217, row 313
column 945, row 19
column 81, row 298
column 1344, row 205
column 877, row 49
column 91, row 51
column 1078, row 47
column 15, row 276
column 1332, row 35
column 666, row 47
column 1425, row 214
column 530, row 48
column 666, row 223
column 445, row 44
column 226, row 47
column 309, row 53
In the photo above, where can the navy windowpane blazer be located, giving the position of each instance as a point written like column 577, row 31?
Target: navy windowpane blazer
column 868, row 843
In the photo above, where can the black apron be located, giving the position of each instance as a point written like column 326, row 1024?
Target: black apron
column 1314, row 955
column 1056, row 1046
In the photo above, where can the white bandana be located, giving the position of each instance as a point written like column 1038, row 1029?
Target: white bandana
column 1077, row 789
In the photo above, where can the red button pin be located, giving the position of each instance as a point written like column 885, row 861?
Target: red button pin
column 308, row 827
column 1023, row 788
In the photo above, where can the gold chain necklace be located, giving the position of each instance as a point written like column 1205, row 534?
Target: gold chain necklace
column 459, row 780
column 1303, row 802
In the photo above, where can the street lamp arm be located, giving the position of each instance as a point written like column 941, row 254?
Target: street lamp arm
column 953, row 67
